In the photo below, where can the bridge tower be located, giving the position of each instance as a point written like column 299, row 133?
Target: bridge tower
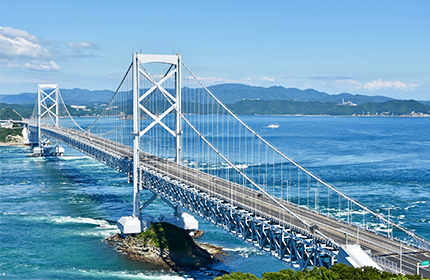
column 47, row 102
column 129, row 225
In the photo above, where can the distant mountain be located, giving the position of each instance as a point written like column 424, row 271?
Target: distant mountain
column 232, row 93
column 79, row 96
column 227, row 93
column 244, row 99
column 9, row 114
column 24, row 110
column 74, row 96
column 289, row 107
column 22, row 98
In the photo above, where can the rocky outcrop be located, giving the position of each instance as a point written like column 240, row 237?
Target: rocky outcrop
column 165, row 245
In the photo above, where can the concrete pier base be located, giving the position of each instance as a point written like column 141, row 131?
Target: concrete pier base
column 129, row 225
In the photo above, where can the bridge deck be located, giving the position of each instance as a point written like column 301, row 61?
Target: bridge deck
column 251, row 200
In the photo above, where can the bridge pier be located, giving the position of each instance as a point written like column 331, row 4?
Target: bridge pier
column 135, row 225
column 353, row 255
column 129, row 225
column 30, row 137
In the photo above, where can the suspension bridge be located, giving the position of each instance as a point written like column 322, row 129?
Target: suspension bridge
column 170, row 135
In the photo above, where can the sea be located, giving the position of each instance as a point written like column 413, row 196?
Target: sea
column 55, row 213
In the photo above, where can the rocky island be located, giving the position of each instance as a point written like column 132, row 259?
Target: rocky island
column 167, row 246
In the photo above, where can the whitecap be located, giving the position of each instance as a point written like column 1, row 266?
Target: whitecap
column 75, row 157
column 81, row 220
column 244, row 252
column 107, row 274
column 100, row 233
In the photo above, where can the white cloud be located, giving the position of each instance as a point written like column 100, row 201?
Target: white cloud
column 158, row 76
column 17, row 33
column 41, row 65
column 349, row 84
column 12, row 65
column 6, row 63
column 212, row 79
column 17, row 47
column 267, row 79
column 19, row 43
column 82, row 45
column 44, row 41
column 22, row 80
column 379, row 84
column 207, row 81
column 114, row 77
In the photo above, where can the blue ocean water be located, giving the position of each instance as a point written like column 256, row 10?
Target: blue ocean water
column 55, row 213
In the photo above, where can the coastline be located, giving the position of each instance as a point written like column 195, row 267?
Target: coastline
column 18, row 141
column 7, row 144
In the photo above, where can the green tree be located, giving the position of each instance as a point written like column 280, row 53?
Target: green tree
column 238, row 276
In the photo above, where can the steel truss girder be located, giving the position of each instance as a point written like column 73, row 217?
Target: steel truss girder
column 291, row 246
column 296, row 249
column 114, row 161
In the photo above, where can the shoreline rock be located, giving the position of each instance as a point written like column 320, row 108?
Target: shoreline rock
column 13, row 141
column 167, row 246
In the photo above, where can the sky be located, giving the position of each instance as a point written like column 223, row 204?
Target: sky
column 361, row 47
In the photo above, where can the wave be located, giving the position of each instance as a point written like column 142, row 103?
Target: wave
column 109, row 274
column 99, row 228
column 414, row 204
column 345, row 213
column 81, row 220
column 63, row 219
column 127, row 275
column 244, row 252
column 74, row 157
column 408, row 207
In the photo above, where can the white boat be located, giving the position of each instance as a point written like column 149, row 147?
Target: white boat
column 273, row 125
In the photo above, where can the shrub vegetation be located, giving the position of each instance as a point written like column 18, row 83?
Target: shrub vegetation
column 337, row 272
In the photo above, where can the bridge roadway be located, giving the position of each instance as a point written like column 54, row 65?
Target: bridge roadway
column 254, row 201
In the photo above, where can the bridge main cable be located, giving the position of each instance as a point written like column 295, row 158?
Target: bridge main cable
column 303, row 169
column 231, row 164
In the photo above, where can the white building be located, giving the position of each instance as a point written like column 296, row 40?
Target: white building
column 7, row 124
column 348, row 103
column 77, row 107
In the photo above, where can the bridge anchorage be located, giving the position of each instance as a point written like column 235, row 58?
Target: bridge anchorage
column 171, row 136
